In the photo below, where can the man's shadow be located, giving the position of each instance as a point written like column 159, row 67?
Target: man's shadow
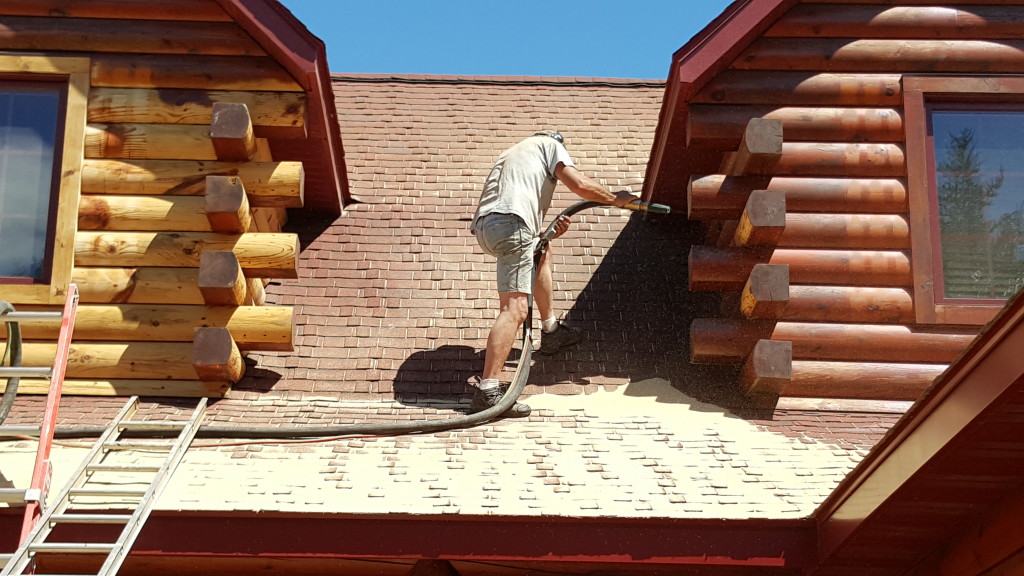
column 636, row 311
column 439, row 378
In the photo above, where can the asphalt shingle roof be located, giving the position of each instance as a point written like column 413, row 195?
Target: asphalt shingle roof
column 393, row 305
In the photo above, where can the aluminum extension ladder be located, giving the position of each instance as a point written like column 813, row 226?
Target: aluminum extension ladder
column 121, row 471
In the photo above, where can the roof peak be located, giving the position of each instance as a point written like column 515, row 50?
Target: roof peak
column 471, row 79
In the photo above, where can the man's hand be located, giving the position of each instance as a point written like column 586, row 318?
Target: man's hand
column 623, row 197
column 561, row 226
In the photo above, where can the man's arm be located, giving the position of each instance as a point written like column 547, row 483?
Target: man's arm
column 590, row 189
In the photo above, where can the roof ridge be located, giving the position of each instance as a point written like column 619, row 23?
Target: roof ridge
column 505, row 80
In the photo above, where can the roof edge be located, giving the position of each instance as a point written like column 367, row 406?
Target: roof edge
column 512, row 80
column 699, row 542
column 699, row 60
column 957, row 398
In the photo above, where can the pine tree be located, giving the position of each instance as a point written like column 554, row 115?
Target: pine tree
column 964, row 197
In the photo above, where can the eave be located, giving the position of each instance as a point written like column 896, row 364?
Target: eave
column 947, row 464
column 693, row 65
column 304, row 56
column 780, row 547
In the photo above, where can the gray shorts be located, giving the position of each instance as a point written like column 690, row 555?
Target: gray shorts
column 509, row 239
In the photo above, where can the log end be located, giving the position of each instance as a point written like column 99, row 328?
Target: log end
column 766, row 292
column 768, row 369
column 227, row 208
column 232, row 132
column 221, row 281
column 216, row 356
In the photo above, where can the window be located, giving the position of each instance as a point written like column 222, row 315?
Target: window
column 979, row 190
column 30, row 113
column 42, row 130
column 966, row 182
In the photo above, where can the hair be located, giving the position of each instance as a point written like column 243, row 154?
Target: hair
column 551, row 134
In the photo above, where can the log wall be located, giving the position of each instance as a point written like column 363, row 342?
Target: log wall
column 180, row 204
column 839, row 287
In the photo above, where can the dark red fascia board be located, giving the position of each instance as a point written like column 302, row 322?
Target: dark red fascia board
column 304, row 56
column 707, row 54
column 782, row 544
column 989, row 371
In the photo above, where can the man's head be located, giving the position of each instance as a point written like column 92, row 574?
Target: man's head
column 551, row 134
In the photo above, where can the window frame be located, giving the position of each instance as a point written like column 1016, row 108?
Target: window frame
column 75, row 72
column 918, row 92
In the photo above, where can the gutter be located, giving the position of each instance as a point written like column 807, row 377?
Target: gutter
column 786, row 545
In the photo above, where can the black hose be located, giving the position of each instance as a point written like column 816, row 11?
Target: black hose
column 510, row 397
column 12, row 348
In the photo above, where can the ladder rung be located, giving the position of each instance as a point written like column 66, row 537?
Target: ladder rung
column 73, row 547
column 151, row 425
column 25, row 372
column 123, row 445
column 11, row 495
column 121, row 468
column 28, row 316
column 90, row 518
column 106, row 492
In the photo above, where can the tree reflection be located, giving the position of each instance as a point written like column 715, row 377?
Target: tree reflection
column 981, row 251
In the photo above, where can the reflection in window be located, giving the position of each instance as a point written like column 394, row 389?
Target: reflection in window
column 29, row 117
column 979, row 180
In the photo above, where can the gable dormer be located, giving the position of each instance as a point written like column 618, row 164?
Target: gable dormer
column 151, row 152
column 850, row 168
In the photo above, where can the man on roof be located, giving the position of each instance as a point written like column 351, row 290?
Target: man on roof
column 508, row 220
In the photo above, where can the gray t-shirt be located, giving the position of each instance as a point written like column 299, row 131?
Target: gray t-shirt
column 523, row 180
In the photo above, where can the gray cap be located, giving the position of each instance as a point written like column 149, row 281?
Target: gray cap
column 552, row 134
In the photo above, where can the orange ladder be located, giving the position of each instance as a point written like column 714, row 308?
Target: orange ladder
column 35, row 496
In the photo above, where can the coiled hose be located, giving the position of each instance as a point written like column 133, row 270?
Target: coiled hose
column 12, row 349
column 521, row 375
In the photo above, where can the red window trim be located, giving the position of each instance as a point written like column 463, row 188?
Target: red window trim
column 918, row 91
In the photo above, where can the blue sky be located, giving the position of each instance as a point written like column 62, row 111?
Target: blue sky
column 602, row 38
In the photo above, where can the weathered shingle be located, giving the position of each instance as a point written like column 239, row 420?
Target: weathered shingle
column 394, row 301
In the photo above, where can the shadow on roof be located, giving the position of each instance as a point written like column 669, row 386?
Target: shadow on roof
column 637, row 309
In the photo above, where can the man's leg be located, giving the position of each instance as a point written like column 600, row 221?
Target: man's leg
column 554, row 336
column 499, row 344
column 507, row 238
column 512, row 314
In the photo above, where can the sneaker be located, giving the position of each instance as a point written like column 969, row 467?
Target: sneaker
column 484, row 399
column 558, row 339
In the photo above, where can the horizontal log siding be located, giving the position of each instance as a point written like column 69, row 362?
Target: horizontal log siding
column 722, row 126
column 191, row 10
column 717, row 197
column 267, row 184
column 900, row 22
column 261, row 255
column 156, row 70
column 727, row 340
column 831, row 71
column 141, row 36
column 171, row 106
column 251, row 327
column 129, row 387
column 191, row 72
